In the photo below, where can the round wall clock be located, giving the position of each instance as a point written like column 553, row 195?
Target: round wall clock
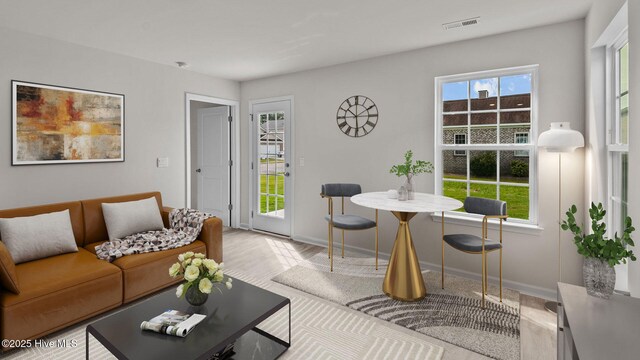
column 357, row 116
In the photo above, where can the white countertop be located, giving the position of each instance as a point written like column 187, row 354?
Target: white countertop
column 422, row 202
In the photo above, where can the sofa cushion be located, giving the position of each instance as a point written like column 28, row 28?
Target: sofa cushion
column 75, row 212
column 59, row 291
column 95, row 227
column 38, row 236
column 45, row 276
column 8, row 277
column 131, row 217
column 146, row 273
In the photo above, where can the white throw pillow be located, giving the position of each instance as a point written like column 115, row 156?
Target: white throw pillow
column 131, row 217
column 39, row 236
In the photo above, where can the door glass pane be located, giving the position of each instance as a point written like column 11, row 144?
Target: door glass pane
column 271, row 168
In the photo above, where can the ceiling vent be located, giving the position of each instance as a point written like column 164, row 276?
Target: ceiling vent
column 461, row 23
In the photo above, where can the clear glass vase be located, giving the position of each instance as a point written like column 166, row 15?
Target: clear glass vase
column 194, row 296
column 408, row 184
column 599, row 277
column 402, row 194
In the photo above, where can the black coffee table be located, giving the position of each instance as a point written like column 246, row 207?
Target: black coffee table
column 231, row 317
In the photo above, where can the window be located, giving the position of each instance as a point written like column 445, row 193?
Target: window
column 460, row 139
column 618, row 131
column 494, row 113
column 521, row 138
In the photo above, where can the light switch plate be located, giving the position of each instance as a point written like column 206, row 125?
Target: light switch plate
column 163, row 162
column 301, row 161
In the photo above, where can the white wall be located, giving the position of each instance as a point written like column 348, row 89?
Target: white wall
column 154, row 121
column 402, row 85
column 634, row 135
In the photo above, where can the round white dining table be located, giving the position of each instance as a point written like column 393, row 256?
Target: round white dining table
column 403, row 279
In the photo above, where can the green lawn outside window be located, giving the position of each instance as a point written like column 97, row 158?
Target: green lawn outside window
column 517, row 197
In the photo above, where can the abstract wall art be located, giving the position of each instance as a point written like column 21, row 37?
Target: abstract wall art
column 56, row 125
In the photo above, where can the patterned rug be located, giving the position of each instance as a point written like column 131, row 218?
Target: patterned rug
column 453, row 315
column 320, row 330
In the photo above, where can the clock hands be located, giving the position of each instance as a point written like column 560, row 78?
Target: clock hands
column 366, row 109
column 358, row 108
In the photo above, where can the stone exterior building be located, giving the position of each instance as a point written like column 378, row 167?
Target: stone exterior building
column 515, row 123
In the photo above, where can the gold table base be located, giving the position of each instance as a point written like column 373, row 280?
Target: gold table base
column 403, row 280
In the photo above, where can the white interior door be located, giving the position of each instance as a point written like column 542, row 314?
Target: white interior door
column 213, row 162
column 271, row 137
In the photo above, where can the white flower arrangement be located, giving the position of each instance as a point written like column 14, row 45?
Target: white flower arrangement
column 198, row 271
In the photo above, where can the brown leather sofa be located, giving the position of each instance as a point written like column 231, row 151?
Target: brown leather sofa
column 61, row 290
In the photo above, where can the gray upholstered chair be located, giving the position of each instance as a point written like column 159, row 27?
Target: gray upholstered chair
column 473, row 244
column 343, row 221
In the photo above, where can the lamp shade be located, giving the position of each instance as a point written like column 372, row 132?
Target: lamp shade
column 560, row 138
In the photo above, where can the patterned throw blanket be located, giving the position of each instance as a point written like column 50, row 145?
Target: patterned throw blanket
column 185, row 227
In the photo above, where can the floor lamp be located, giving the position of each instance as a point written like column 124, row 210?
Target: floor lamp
column 560, row 138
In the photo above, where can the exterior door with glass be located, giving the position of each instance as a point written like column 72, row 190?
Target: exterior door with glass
column 271, row 170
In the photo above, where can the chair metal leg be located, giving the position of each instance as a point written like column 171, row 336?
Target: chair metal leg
column 442, row 281
column 329, row 241
column 486, row 275
column 483, row 278
column 500, row 274
column 376, row 239
column 331, row 248
column 343, row 244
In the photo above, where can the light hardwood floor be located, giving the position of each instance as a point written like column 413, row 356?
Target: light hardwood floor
column 265, row 256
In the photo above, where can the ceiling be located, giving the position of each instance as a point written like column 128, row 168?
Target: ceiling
column 249, row 39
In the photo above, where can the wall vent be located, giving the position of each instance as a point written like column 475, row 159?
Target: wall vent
column 461, row 23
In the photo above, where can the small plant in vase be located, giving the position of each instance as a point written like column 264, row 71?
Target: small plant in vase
column 601, row 253
column 409, row 169
column 201, row 276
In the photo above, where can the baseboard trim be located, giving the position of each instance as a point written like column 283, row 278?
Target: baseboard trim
column 537, row 291
column 244, row 226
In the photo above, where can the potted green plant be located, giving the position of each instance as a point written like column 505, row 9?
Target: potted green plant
column 601, row 253
column 409, row 169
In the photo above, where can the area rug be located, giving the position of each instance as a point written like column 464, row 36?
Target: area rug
column 453, row 315
column 343, row 334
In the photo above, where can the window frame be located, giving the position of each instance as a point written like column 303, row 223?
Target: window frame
column 439, row 147
column 612, row 111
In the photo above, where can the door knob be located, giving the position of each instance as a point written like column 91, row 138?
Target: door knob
column 286, row 174
column 198, row 170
